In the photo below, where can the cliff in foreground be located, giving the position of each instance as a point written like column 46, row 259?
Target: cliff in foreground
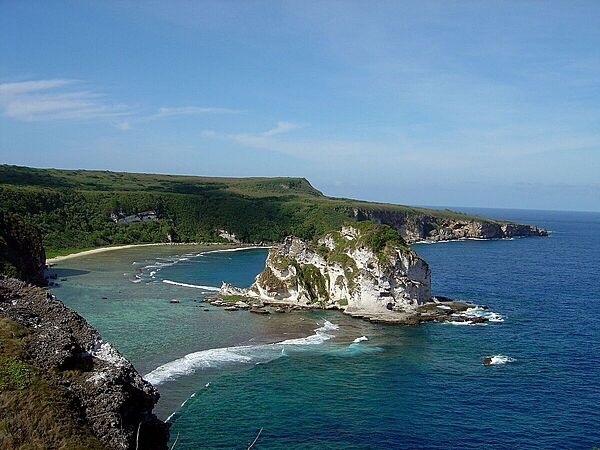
column 61, row 386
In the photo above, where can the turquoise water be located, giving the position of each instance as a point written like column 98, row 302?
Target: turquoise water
column 304, row 380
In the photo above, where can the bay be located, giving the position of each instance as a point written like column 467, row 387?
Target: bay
column 402, row 387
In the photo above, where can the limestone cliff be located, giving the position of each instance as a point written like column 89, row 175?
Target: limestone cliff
column 364, row 268
column 102, row 392
column 414, row 225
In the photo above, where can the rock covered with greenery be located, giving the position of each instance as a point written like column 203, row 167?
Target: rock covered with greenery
column 364, row 268
column 79, row 209
column 21, row 252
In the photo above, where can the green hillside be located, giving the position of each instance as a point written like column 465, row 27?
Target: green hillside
column 77, row 209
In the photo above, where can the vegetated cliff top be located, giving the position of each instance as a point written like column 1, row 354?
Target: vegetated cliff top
column 96, row 180
column 82, row 209
column 254, row 187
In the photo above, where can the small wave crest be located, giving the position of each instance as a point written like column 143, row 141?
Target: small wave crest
column 478, row 311
column 497, row 360
column 218, row 358
column 195, row 286
column 471, row 316
column 360, row 339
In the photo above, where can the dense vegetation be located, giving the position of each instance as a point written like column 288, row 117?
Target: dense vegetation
column 35, row 409
column 73, row 208
column 21, row 252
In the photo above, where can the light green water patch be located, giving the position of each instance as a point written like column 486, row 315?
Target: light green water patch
column 138, row 317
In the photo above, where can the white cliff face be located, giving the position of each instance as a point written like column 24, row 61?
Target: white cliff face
column 343, row 270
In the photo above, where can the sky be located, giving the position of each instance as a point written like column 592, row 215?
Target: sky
column 465, row 103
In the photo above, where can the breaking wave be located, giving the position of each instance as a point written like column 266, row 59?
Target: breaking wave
column 232, row 356
column 498, row 360
column 195, row 286
column 469, row 316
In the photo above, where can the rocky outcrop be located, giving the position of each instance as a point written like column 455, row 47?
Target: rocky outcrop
column 364, row 268
column 415, row 226
column 21, row 253
column 106, row 391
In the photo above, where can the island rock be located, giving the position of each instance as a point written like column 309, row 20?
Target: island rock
column 366, row 269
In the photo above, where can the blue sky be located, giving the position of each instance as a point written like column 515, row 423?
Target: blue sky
column 466, row 103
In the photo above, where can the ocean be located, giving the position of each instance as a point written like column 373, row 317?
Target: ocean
column 323, row 380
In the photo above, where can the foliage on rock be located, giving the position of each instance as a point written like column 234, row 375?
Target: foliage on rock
column 73, row 208
column 21, row 253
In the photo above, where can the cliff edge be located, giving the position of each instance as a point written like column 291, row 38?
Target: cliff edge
column 417, row 225
column 62, row 385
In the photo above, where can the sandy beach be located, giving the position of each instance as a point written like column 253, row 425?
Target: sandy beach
column 211, row 246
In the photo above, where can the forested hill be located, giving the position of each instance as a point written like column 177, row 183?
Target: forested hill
column 76, row 209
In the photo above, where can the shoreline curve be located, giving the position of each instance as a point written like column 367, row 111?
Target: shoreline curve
column 209, row 246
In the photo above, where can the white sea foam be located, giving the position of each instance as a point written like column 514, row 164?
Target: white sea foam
column 217, row 358
column 195, row 286
column 476, row 312
column 360, row 339
column 500, row 359
column 237, row 249
column 495, row 317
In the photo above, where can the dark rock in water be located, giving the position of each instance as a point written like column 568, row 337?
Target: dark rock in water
column 478, row 319
column 487, row 360
column 108, row 394
column 259, row 311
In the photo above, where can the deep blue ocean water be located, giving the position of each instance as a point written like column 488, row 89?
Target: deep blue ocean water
column 405, row 387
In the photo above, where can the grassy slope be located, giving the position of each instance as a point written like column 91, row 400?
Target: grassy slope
column 72, row 207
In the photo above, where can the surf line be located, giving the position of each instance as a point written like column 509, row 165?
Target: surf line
column 195, row 286
column 221, row 358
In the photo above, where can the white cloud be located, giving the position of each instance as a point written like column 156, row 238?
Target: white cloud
column 282, row 127
column 124, row 126
column 56, row 99
column 22, row 87
column 173, row 111
column 63, row 99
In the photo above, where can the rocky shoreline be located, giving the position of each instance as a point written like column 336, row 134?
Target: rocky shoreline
column 434, row 228
column 438, row 309
column 106, row 392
